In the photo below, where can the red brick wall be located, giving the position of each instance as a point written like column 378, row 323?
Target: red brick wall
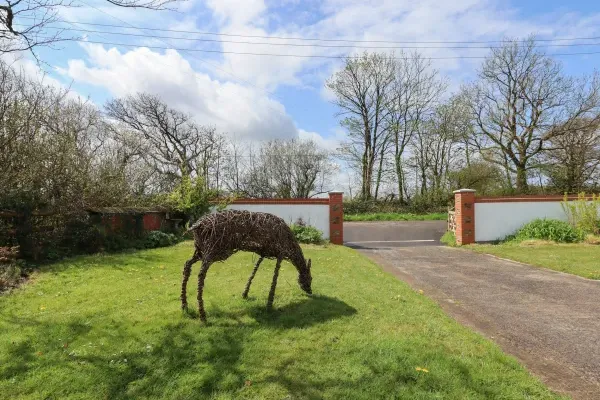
column 112, row 222
column 336, row 217
column 130, row 224
column 464, row 206
column 152, row 222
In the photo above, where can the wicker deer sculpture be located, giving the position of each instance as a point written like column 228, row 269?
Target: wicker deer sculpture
column 218, row 236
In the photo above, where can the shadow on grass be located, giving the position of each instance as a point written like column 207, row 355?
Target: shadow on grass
column 312, row 310
column 316, row 309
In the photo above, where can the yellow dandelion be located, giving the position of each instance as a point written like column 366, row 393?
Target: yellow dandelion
column 42, row 308
column 420, row 291
column 422, row 369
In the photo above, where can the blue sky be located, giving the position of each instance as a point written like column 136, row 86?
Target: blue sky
column 259, row 98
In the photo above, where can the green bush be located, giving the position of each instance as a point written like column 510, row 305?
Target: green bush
column 80, row 236
column 420, row 204
column 191, row 198
column 432, row 201
column 156, row 239
column 114, row 243
column 549, row 229
column 306, row 233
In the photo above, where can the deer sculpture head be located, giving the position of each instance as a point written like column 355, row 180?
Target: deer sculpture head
column 304, row 277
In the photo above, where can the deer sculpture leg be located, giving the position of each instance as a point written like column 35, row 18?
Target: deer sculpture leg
column 273, row 285
column 201, row 277
column 247, row 289
column 187, row 270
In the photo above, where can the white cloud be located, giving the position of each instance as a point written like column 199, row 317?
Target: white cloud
column 234, row 13
column 397, row 20
column 331, row 143
column 244, row 112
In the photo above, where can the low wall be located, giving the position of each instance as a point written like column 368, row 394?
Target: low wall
column 134, row 221
column 495, row 221
column 487, row 219
column 324, row 214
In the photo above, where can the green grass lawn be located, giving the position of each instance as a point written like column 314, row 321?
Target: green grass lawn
column 577, row 259
column 396, row 217
column 110, row 327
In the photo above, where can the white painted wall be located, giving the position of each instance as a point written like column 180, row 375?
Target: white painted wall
column 495, row 221
column 316, row 215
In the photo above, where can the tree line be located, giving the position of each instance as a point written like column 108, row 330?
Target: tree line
column 522, row 126
column 63, row 153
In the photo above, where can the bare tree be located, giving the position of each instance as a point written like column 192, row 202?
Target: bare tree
column 56, row 149
column 213, row 158
column 521, row 94
column 573, row 160
column 235, row 167
column 172, row 142
column 417, row 89
column 28, row 24
column 363, row 89
column 285, row 169
column 434, row 148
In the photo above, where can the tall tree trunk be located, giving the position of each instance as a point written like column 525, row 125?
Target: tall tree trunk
column 423, row 181
column 365, row 184
column 369, row 182
column 380, row 170
column 400, row 177
column 367, row 163
column 509, row 184
column 522, row 186
column 377, row 183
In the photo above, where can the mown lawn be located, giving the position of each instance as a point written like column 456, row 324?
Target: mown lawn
column 110, row 327
column 577, row 259
column 396, row 217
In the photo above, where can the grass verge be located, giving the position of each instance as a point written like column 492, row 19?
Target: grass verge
column 449, row 239
column 578, row 259
column 109, row 326
column 396, row 217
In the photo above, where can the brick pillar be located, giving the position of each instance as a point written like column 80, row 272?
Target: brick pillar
column 336, row 217
column 464, row 206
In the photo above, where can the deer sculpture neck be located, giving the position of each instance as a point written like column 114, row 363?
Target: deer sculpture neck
column 303, row 267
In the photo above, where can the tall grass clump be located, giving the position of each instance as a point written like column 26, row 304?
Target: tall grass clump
column 449, row 239
column 584, row 213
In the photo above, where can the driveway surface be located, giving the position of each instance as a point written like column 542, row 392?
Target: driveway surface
column 393, row 234
column 549, row 320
